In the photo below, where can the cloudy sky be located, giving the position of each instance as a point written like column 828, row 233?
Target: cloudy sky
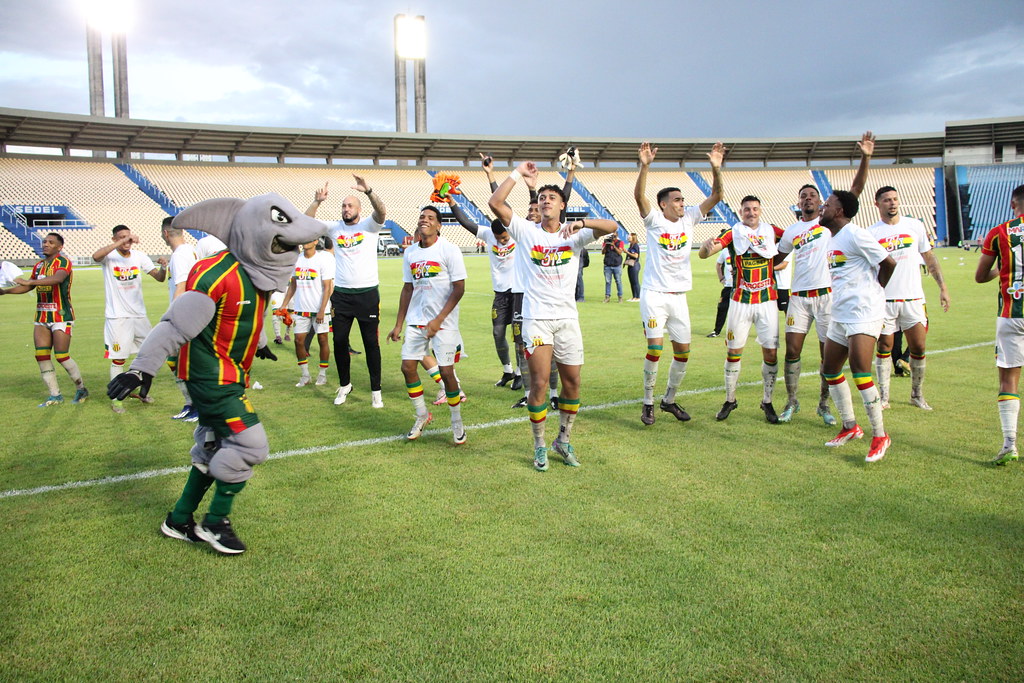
column 572, row 68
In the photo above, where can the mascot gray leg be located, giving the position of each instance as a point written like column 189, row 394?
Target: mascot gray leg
column 238, row 453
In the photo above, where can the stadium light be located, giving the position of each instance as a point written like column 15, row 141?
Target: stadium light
column 109, row 16
column 410, row 45
column 410, row 37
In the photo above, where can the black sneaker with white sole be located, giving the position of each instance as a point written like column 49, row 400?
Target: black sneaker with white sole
column 505, row 379
column 675, row 411
column 182, row 532
column 221, row 537
column 521, row 403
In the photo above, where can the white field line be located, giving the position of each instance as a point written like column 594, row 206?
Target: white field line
column 149, row 474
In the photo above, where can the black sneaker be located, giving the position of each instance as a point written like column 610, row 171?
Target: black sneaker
column 647, row 414
column 505, row 379
column 676, row 411
column 712, row 335
column 554, row 403
column 181, row 532
column 727, row 408
column 517, row 383
column 521, row 403
column 221, row 537
column 769, row 413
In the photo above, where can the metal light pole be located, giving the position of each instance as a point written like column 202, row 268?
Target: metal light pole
column 410, row 44
column 94, row 53
column 119, row 55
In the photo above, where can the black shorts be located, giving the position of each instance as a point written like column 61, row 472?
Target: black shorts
column 517, row 317
column 502, row 308
column 364, row 307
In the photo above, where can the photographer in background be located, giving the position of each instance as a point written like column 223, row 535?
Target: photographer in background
column 612, row 248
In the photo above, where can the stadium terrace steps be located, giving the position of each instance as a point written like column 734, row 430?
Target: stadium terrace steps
column 916, row 185
column 597, row 209
column 722, row 209
column 988, row 193
column 20, row 232
column 823, row 183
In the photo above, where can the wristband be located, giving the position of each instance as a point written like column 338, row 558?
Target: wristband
column 369, row 192
column 515, row 175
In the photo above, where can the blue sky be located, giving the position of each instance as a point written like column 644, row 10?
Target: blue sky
column 583, row 69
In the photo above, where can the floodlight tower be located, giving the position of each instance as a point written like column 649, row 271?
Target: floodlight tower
column 410, row 44
column 113, row 17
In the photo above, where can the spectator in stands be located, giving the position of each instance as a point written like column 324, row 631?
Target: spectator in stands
column 723, row 269
column 612, row 248
column 126, row 323
column 51, row 278
column 356, row 285
column 633, row 266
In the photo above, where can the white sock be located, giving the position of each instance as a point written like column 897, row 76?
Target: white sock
column 1008, row 411
column 650, row 379
column 676, row 374
column 791, row 374
column 769, row 373
column 843, row 399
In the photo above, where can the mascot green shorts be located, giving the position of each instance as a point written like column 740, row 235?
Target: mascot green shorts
column 223, row 408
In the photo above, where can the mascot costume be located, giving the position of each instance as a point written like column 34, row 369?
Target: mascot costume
column 218, row 326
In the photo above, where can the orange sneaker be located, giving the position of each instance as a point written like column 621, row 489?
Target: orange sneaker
column 879, row 445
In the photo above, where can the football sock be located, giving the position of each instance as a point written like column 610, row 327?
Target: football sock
column 116, row 368
column 538, row 415
column 184, row 390
column 822, row 390
column 196, row 487
column 416, row 396
column 223, row 498
column 304, row 366
column 676, row 375
column 455, row 408
column 553, row 379
column 524, row 369
column 71, row 367
column 872, row 402
column 883, row 368
column 651, row 372
column 48, row 374
column 507, row 368
column 435, row 374
column 567, row 409
column 1009, row 407
column 769, row 373
column 732, row 375
column 839, row 390
column 791, row 374
column 916, row 374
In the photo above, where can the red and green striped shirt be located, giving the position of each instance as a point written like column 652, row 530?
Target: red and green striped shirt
column 222, row 353
column 753, row 274
column 1006, row 243
column 53, row 302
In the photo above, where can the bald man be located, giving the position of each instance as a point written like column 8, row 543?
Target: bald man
column 356, row 296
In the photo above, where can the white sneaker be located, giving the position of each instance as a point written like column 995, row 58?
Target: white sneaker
column 343, row 392
column 442, row 397
column 418, row 425
column 303, row 381
column 376, row 400
column 920, row 402
column 321, row 379
column 256, row 386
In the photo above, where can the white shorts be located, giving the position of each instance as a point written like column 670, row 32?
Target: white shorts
column 763, row 316
column 902, row 315
column 841, row 332
column 563, row 334
column 64, row 326
column 803, row 310
column 661, row 311
column 1009, row 342
column 123, row 336
column 304, row 324
column 444, row 344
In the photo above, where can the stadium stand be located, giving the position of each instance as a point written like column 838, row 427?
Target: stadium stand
column 916, row 185
column 988, row 191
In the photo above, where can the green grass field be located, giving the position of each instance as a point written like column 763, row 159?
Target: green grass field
column 705, row 550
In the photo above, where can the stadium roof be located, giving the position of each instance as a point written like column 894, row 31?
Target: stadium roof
column 124, row 136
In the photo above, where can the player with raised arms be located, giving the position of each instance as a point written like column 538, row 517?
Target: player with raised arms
column 309, row 293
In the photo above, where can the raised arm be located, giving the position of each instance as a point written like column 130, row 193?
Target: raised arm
column 715, row 156
column 567, row 188
column 646, row 155
column 503, row 211
column 319, row 197
column 379, row 212
column 488, row 164
column 461, row 216
column 124, row 241
column 867, row 148
column 600, row 226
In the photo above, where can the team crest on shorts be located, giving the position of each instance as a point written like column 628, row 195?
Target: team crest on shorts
column 729, row 336
column 652, row 323
column 116, row 347
column 790, row 320
column 537, row 341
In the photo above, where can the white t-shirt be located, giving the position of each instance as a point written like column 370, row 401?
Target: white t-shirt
column 668, row 250
column 853, row 260
column 723, row 258
column 310, row 275
column 178, row 267
column 502, row 258
column 431, row 271
column 355, row 252
column 548, row 269
column 208, row 246
column 784, row 276
column 122, row 279
column 810, row 242
column 905, row 242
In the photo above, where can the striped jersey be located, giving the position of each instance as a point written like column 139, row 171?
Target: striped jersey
column 753, row 274
column 53, row 302
column 1006, row 242
column 222, row 353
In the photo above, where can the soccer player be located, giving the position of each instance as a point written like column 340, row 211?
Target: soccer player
column 183, row 257
column 434, row 274
column 126, row 325
column 1005, row 244
column 904, row 238
column 309, row 292
column 811, row 286
column 752, row 244
column 550, row 321
column 356, row 285
column 860, row 268
column 51, row 279
column 500, row 252
column 668, row 277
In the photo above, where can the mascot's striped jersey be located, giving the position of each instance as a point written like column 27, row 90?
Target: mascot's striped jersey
column 222, row 353
column 1006, row 241
column 53, row 302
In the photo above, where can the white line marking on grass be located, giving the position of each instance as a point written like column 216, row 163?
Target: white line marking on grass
column 149, row 474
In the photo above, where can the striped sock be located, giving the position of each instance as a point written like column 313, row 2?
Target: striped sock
column 1009, row 408
column 872, row 401
column 651, row 372
column 676, row 375
column 839, row 390
column 116, row 368
column 567, row 409
column 538, row 415
column 883, row 368
column 769, row 373
column 435, row 373
column 48, row 375
column 304, row 366
column 732, row 375
column 416, row 396
column 456, row 410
